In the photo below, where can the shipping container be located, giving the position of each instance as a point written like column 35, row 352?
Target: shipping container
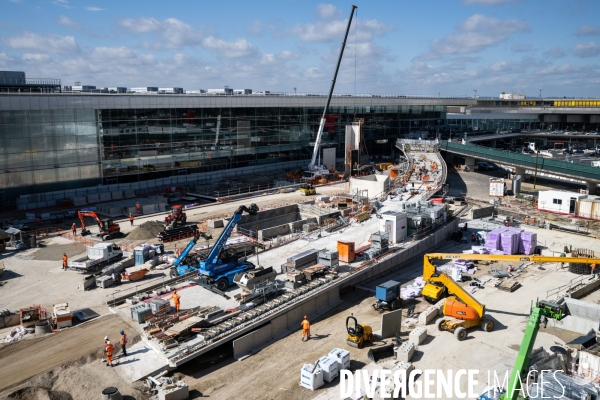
column 589, row 208
column 346, row 251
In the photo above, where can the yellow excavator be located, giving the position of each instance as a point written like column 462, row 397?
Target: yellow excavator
column 461, row 310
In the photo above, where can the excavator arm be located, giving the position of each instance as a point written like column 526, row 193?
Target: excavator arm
column 83, row 214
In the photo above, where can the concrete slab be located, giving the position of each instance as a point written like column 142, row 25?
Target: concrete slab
column 390, row 323
column 141, row 361
column 279, row 327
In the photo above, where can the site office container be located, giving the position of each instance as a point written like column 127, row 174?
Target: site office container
column 589, row 208
column 561, row 202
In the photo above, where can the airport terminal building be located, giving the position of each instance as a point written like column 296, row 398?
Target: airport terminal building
column 63, row 141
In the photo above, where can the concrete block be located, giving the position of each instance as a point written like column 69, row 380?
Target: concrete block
column 309, row 309
column 439, row 306
column 243, row 345
column 262, row 336
column 179, row 391
column 405, row 352
column 294, row 318
column 417, row 336
column 215, row 223
column 403, row 366
column 390, row 323
column 428, row 315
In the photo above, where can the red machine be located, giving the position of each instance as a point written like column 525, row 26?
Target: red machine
column 176, row 216
column 108, row 228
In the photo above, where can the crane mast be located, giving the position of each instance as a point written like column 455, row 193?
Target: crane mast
column 312, row 166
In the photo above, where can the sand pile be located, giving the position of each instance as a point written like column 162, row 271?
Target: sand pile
column 147, row 230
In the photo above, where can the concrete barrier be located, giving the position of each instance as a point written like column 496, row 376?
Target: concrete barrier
column 252, row 342
column 428, row 315
column 405, row 352
column 390, row 323
column 417, row 336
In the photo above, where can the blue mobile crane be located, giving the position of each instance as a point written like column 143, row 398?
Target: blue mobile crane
column 221, row 264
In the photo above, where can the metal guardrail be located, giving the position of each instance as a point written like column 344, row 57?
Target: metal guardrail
column 577, row 171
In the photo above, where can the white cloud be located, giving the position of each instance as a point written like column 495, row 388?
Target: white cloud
column 521, row 48
column 16, row 1
column 66, row 21
column 172, row 32
column 475, row 34
column 328, row 11
column 254, row 28
column 555, row 52
column 140, row 25
column 122, row 55
column 45, row 43
column 585, row 50
column 32, row 58
column 238, row 48
column 4, row 59
column 95, row 9
column 334, row 30
column 488, row 2
column 62, row 3
column 588, row 30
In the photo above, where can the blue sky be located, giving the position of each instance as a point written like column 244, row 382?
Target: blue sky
column 447, row 47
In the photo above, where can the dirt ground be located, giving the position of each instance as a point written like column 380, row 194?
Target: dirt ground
column 261, row 375
column 75, row 371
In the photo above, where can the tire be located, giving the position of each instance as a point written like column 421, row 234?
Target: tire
column 460, row 333
column 487, row 325
column 371, row 337
column 360, row 343
column 222, row 284
column 439, row 323
column 173, row 273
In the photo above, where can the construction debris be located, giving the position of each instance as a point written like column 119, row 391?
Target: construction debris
column 15, row 334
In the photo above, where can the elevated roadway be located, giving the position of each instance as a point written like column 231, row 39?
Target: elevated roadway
column 521, row 162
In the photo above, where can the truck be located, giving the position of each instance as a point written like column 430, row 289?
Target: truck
column 221, row 264
column 461, row 310
column 98, row 256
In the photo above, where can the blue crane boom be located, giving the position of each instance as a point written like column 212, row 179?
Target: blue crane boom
column 213, row 256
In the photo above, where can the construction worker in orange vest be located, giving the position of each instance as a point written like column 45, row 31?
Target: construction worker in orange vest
column 123, row 342
column 131, row 218
column 65, row 260
column 305, row 329
column 175, row 298
column 109, row 353
column 138, row 208
column 594, row 270
column 74, row 229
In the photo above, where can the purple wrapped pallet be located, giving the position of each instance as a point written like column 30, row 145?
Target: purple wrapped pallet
column 509, row 242
column 527, row 243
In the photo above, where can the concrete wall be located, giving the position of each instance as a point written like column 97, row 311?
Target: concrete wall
column 373, row 184
column 583, row 309
column 269, row 218
column 583, row 316
column 481, row 212
column 286, row 323
column 590, row 287
column 390, row 322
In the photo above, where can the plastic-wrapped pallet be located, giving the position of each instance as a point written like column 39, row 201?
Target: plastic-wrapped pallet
column 341, row 356
column 140, row 312
column 527, row 242
column 311, row 377
column 330, row 368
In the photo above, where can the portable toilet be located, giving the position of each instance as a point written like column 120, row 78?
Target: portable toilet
column 141, row 254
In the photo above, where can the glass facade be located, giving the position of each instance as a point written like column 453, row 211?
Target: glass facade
column 43, row 147
column 140, row 144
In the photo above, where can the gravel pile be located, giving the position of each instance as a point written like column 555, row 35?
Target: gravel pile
column 147, row 230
